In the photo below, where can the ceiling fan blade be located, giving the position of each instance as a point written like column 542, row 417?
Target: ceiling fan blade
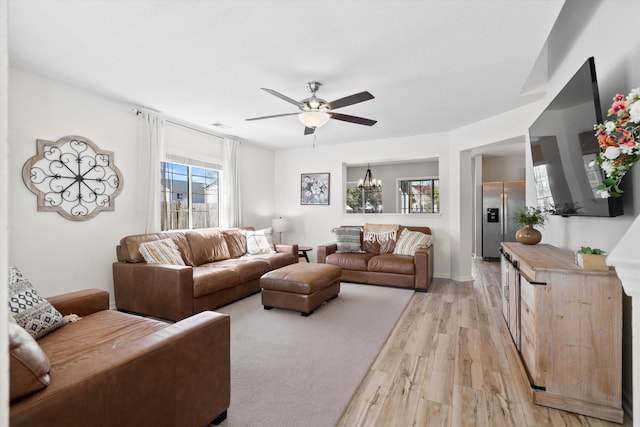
column 353, row 119
column 284, row 97
column 350, row 100
column 270, row 117
column 309, row 131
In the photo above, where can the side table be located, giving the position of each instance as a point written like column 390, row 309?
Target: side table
column 302, row 252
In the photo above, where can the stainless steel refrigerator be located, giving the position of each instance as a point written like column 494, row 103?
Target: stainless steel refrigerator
column 500, row 201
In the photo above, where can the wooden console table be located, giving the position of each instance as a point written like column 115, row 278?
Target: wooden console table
column 566, row 325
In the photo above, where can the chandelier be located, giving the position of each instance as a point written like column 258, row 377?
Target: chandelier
column 369, row 183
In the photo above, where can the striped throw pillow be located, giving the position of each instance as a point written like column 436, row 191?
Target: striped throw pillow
column 347, row 239
column 163, row 251
column 410, row 241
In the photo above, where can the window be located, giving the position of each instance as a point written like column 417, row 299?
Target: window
column 421, row 195
column 190, row 196
column 543, row 191
column 363, row 201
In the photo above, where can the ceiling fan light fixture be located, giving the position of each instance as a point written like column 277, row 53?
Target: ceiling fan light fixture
column 313, row 119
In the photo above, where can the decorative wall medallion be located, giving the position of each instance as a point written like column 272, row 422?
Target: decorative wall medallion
column 73, row 177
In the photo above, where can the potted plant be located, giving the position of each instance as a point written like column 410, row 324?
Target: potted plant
column 591, row 259
column 528, row 217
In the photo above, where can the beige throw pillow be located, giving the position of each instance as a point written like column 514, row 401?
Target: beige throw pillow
column 162, row 251
column 410, row 241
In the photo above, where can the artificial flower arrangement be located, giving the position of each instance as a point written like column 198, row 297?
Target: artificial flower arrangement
column 618, row 140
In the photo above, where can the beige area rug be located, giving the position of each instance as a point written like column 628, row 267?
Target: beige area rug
column 289, row 370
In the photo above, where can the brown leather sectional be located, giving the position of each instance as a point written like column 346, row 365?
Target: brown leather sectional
column 116, row 369
column 206, row 282
column 372, row 267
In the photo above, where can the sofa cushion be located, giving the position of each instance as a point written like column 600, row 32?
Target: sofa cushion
column 249, row 267
column 34, row 313
column 28, row 365
column 409, row 241
column 276, row 260
column 389, row 263
column 259, row 241
column 236, row 242
column 130, row 245
column 350, row 261
column 163, row 251
column 102, row 332
column 376, row 248
column 371, row 246
column 210, row 278
column 207, row 245
column 348, row 239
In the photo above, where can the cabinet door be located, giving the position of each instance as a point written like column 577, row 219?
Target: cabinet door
column 504, row 288
column 529, row 327
column 514, row 306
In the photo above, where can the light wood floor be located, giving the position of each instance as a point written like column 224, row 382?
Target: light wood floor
column 450, row 362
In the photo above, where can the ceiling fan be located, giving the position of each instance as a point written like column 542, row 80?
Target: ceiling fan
column 315, row 112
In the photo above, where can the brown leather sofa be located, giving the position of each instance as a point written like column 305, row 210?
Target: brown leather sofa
column 372, row 267
column 206, row 282
column 116, row 369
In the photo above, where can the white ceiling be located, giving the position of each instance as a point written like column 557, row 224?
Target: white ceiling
column 432, row 65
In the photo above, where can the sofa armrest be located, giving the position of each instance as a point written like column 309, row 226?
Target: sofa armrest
column 423, row 260
column 82, row 302
column 164, row 291
column 179, row 375
column 288, row 249
column 324, row 250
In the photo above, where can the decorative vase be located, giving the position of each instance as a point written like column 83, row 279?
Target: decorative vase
column 528, row 235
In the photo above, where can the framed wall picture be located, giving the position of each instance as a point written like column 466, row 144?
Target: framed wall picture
column 314, row 188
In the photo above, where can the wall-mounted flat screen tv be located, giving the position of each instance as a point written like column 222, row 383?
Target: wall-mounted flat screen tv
column 563, row 145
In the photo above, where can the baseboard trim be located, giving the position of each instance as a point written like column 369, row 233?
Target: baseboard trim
column 462, row 278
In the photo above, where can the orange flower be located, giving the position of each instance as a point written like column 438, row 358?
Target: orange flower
column 623, row 119
column 627, row 140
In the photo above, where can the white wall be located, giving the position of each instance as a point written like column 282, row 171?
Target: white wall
column 504, row 168
column 311, row 225
column 59, row 255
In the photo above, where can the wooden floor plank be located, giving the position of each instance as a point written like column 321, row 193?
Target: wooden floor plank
column 450, row 362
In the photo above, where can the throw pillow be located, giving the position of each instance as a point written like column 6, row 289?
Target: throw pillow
column 260, row 241
column 34, row 313
column 163, row 251
column 410, row 241
column 28, row 365
column 347, row 239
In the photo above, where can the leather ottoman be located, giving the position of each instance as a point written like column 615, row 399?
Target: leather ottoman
column 300, row 287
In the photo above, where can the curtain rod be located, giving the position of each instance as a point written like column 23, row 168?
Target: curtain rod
column 138, row 111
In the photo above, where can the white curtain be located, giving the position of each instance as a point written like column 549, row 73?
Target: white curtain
column 230, row 203
column 151, row 151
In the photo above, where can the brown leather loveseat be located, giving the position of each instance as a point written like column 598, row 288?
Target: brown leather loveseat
column 217, row 271
column 376, row 264
column 115, row 369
